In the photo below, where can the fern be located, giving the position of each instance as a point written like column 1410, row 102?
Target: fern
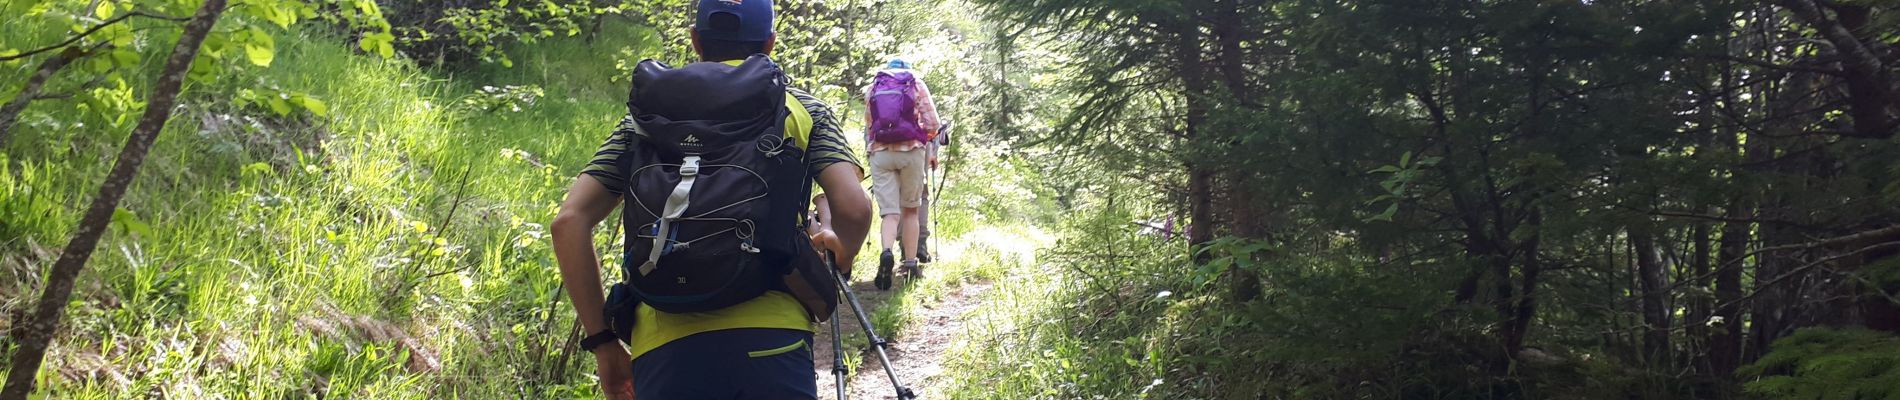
column 1827, row 364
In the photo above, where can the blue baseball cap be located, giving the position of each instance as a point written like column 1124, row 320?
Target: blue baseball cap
column 897, row 63
column 735, row 20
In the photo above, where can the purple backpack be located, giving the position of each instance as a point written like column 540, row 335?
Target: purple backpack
column 893, row 108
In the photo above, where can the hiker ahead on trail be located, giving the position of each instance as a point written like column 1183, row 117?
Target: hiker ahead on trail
column 900, row 120
column 712, row 168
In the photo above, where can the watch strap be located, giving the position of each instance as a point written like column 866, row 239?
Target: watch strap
column 597, row 339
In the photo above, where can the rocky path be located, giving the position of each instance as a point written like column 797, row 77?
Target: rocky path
column 916, row 351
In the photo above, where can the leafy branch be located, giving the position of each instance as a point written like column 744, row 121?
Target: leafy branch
column 95, row 29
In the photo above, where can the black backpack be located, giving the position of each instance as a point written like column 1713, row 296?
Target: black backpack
column 717, row 192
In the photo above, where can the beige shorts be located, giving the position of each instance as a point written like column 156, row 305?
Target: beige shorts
column 897, row 179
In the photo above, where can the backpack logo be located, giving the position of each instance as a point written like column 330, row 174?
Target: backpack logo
column 690, row 140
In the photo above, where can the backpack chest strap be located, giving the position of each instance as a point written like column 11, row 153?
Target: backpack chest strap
column 675, row 208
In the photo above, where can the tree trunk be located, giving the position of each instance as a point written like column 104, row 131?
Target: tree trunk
column 1524, row 309
column 1250, row 223
column 1251, row 219
column 1696, row 326
column 1187, row 55
column 1651, row 279
column 35, row 336
column 1725, row 347
column 1769, row 304
column 1000, row 120
column 1869, row 82
column 1228, row 31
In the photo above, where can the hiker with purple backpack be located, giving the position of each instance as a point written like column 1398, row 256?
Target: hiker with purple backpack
column 899, row 122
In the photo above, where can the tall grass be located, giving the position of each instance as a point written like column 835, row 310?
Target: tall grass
column 394, row 248
column 1064, row 328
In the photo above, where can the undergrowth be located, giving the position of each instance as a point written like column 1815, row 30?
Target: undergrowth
column 1109, row 312
column 393, row 247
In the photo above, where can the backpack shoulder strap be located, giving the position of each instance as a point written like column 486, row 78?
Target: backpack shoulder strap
column 798, row 122
column 624, row 163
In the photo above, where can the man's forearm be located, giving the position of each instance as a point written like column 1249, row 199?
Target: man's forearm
column 849, row 206
column 580, row 273
column 852, row 216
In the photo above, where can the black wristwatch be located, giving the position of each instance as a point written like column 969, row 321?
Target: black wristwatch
column 604, row 337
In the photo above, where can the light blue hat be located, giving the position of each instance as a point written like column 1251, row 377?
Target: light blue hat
column 897, row 63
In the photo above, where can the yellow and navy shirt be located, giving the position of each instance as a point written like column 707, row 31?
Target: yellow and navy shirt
column 824, row 146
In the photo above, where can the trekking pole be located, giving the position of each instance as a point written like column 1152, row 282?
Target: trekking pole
column 936, row 193
column 837, row 355
column 903, row 393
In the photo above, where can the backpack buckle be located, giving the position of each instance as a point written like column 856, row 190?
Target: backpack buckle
column 690, row 166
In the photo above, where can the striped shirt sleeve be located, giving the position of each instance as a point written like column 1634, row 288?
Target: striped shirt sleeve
column 603, row 167
column 827, row 145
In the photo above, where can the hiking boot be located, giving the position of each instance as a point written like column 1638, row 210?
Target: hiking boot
column 883, row 280
column 913, row 269
column 923, row 249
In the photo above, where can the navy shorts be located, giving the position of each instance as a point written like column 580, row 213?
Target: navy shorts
column 730, row 364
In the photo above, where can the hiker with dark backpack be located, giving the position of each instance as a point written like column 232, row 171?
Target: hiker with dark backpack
column 899, row 121
column 712, row 169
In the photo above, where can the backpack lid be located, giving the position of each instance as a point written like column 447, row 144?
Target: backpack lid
column 901, row 75
column 706, row 104
column 706, row 90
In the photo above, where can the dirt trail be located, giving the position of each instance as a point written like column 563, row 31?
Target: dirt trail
column 916, row 352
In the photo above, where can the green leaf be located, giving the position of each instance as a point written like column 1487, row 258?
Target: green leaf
column 214, row 46
column 120, row 35
column 279, row 106
column 261, row 49
column 315, row 106
column 1391, row 210
column 203, row 69
column 257, row 169
column 278, row 14
column 124, row 57
column 379, row 44
column 130, row 221
column 105, row 10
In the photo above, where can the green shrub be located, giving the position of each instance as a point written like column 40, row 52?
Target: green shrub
column 1829, row 363
column 462, row 31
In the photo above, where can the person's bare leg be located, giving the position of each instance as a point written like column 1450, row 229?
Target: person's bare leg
column 923, row 216
column 923, row 227
column 886, row 261
column 910, row 228
column 888, row 229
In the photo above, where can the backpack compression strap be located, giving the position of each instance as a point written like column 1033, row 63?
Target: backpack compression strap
column 675, row 207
